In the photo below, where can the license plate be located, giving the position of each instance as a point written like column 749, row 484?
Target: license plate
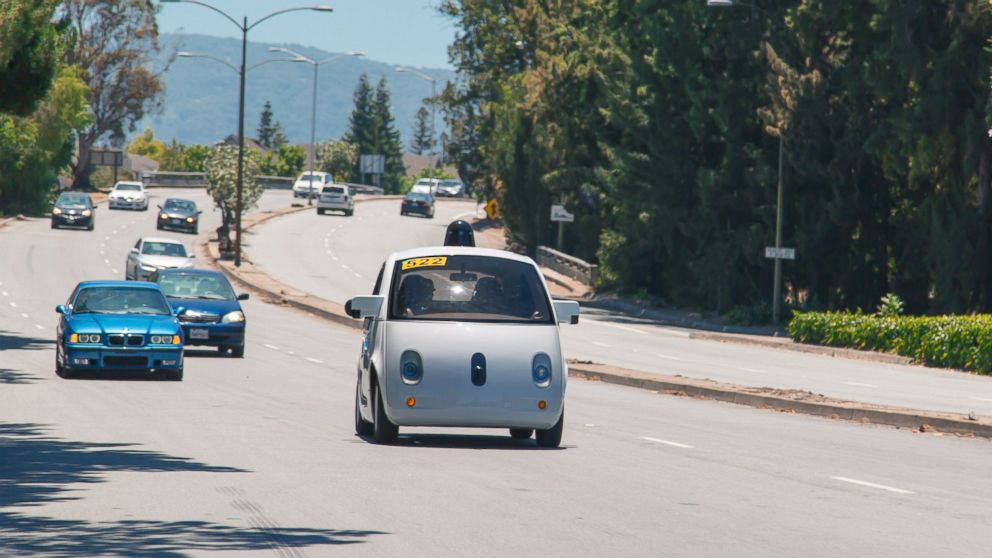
column 199, row 333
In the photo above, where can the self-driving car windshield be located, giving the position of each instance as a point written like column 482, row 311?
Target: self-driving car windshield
column 206, row 287
column 127, row 187
column 164, row 249
column 468, row 288
column 120, row 300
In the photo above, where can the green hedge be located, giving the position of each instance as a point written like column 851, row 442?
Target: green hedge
column 963, row 342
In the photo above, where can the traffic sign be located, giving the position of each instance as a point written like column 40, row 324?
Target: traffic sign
column 492, row 210
column 560, row 214
column 774, row 253
column 372, row 164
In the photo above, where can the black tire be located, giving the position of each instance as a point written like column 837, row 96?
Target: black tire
column 196, row 229
column 158, row 226
column 54, row 226
column 320, row 211
column 383, row 431
column 174, row 375
column 402, row 213
column 551, row 438
column 349, row 212
column 238, row 352
column 61, row 371
column 91, row 227
column 521, row 433
column 362, row 426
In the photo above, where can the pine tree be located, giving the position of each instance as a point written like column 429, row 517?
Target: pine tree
column 360, row 123
column 387, row 139
column 266, row 129
column 423, row 140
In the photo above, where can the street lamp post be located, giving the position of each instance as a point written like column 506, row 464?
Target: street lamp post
column 245, row 28
column 777, row 287
column 297, row 57
column 433, row 81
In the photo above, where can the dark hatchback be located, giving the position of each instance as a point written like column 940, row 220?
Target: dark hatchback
column 74, row 210
column 210, row 312
column 179, row 214
column 415, row 202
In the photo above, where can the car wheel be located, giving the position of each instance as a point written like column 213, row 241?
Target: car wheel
column 174, row 375
column 349, row 213
column 551, row 438
column 238, row 352
column 402, row 213
column 320, row 211
column 54, row 226
column 196, row 229
column 91, row 227
column 362, row 426
column 61, row 371
column 521, row 433
column 383, row 431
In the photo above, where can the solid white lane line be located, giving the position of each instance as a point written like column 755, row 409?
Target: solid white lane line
column 618, row 326
column 601, row 344
column 666, row 442
column 986, row 399
column 873, row 485
column 755, row 370
column 667, row 357
column 859, row 384
column 313, row 360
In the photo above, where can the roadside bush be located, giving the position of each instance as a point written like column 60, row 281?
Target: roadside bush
column 963, row 342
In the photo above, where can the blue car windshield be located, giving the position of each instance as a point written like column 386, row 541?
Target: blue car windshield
column 120, row 300
column 207, row 287
column 180, row 205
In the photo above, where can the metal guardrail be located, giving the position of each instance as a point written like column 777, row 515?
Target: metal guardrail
column 171, row 179
column 573, row 267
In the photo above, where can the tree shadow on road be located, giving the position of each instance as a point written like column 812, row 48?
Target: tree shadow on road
column 16, row 377
column 38, row 469
column 10, row 341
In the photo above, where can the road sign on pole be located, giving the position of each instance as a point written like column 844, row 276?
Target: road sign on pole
column 372, row 164
column 774, row 253
column 561, row 215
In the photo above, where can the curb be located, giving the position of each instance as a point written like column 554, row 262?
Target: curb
column 789, row 401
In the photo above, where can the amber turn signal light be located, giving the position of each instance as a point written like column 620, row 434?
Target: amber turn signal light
column 411, row 401
column 542, row 404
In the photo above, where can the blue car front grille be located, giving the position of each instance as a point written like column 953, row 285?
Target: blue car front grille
column 122, row 339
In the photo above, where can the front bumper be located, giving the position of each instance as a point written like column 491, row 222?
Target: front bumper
column 72, row 220
column 420, row 210
column 126, row 204
column 106, row 358
column 217, row 335
column 177, row 224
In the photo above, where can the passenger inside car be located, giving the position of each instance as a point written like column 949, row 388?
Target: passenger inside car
column 415, row 296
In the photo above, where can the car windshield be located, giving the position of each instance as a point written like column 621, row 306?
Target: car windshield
column 120, row 300
column 333, row 190
column 306, row 176
column 127, row 187
column 415, row 196
column 450, row 183
column 468, row 288
column 180, row 205
column 164, row 249
column 71, row 199
column 208, row 287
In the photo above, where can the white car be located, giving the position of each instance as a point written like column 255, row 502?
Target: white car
column 426, row 186
column 308, row 184
column 152, row 254
column 336, row 197
column 461, row 337
column 128, row 195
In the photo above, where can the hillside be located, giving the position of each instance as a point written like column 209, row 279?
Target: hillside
column 201, row 96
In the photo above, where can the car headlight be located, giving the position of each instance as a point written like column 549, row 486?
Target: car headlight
column 164, row 340
column 189, row 219
column 56, row 211
column 163, row 216
column 233, row 317
column 411, row 367
column 87, row 213
column 84, row 338
column 541, row 370
column 149, row 268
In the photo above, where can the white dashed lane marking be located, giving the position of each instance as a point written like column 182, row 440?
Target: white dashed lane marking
column 39, row 326
column 313, row 360
column 273, row 347
column 25, row 316
column 873, row 485
column 666, row 442
column 13, row 304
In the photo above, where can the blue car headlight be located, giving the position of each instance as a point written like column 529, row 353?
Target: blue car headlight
column 411, row 367
column 541, row 370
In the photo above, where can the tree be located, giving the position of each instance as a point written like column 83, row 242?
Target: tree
column 387, row 140
column 29, row 53
column 361, row 126
column 422, row 141
column 147, row 146
column 270, row 134
column 339, row 158
column 221, row 168
column 114, row 42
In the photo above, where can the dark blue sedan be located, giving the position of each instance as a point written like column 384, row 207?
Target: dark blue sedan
column 118, row 325
column 211, row 313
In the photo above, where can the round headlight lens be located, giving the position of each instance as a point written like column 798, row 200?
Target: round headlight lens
column 411, row 367
column 163, row 216
column 87, row 213
column 56, row 211
column 233, row 317
column 541, row 370
column 189, row 219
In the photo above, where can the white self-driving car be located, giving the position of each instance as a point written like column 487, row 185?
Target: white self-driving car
column 461, row 337
column 128, row 195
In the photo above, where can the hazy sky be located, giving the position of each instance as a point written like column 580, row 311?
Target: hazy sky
column 402, row 32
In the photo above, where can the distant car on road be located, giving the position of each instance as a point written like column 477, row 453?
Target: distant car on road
column 73, row 209
column 451, row 189
column 421, row 204
column 336, row 197
column 306, row 187
column 152, row 254
column 211, row 313
column 128, row 195
column 426, row 186
column 118, row 325
column 461, row 337
column 179, row 214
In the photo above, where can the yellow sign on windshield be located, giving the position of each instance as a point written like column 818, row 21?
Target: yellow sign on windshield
column 436, row 261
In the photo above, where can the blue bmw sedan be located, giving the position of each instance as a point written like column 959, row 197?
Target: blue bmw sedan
column 118, row 325
column 211, row 314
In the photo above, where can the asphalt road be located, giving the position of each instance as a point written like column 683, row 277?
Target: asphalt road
column 337, row 257
column 257, row 457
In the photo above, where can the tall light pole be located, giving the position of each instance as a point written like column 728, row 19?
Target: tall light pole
column 245, row 28
column 297, row 57
column 433, row 81
column 777, row 287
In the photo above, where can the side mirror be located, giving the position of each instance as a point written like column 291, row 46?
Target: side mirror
column 159, row 206
column 364, row 306
column 134, row 250
column 199, row 212
column 60, row 309
column 243, row 296
column 178, row 310
column 567, row 311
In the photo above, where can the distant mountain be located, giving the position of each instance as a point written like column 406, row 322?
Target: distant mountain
column 201, row 96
